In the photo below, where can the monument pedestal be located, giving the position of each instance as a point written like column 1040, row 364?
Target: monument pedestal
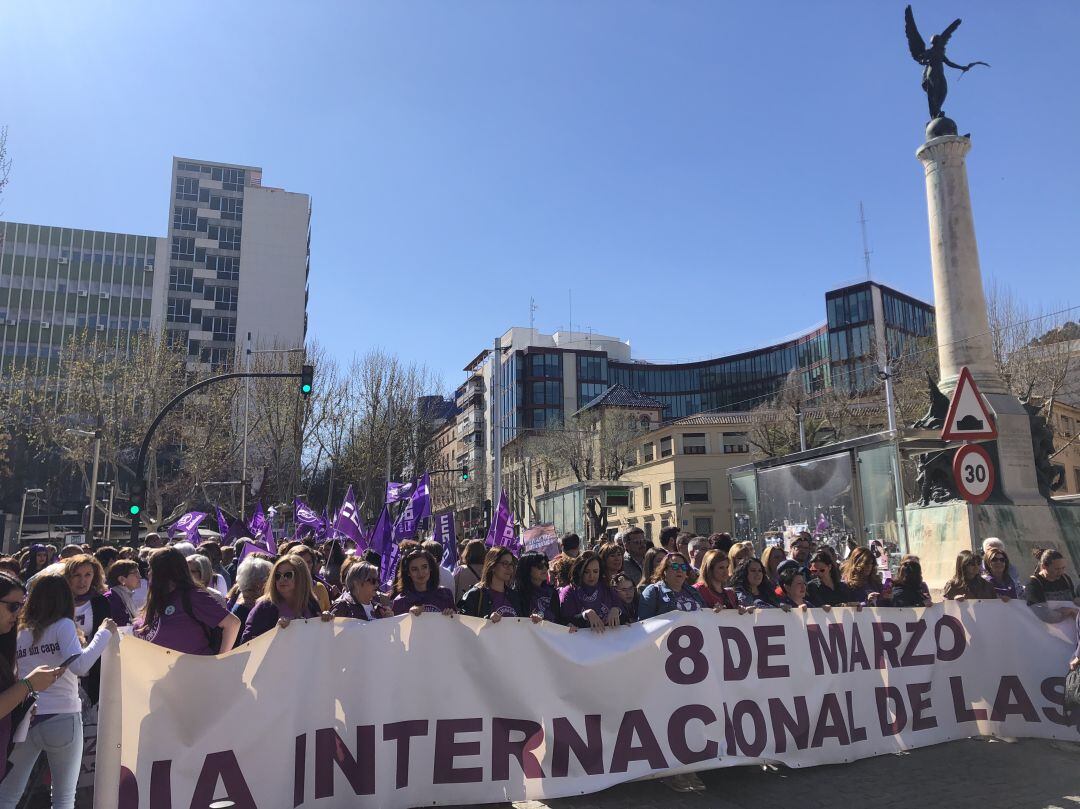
column 937, row 533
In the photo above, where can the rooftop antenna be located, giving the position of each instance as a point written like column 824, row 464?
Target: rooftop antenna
column 570, row 293
column 532, row 318
column 865, row 242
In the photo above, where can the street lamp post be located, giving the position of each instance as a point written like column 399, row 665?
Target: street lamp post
column 22, row 512
column 96, row 435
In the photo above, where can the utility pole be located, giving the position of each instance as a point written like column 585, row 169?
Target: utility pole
column 496, row 424
column 247, row 405
column 22, row 514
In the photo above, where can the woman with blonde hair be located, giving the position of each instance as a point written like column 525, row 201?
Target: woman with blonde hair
column 739, row 553
column 771, row 559
column 288, row 596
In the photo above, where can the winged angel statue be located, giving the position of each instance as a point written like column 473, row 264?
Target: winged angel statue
column 933, row 60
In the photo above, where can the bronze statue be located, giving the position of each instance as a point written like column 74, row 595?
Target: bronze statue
column 934, row 60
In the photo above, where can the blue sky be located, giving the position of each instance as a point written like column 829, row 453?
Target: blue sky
column 692, row 170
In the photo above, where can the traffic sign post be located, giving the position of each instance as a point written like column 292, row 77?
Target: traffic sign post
column 969, row 419
column 973, row 471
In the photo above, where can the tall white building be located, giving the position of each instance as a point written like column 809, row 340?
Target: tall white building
column 238, row 258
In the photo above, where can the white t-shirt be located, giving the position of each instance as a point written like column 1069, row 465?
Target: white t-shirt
column 138, row 597
column 57, row 643
column 84, row 616
column 218, row 583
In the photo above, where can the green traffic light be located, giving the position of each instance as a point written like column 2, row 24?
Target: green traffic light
column 134, row 510
column 305, row 388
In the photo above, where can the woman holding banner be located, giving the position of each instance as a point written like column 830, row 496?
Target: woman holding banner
column 288, row 597
column 825, row 587
column 588, row 602
column 751, row 587
column 361, row 583
column 416, row 587
column 611, row 561
column 1050, row 590
column 996, row 572
column 490, row 597
column 861, row 576
column 670, row 590
column 532, row 594
column 967, row 582
column 712, row 585
column 629, row 597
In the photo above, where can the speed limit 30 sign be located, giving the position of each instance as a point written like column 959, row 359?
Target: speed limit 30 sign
column 973, row 472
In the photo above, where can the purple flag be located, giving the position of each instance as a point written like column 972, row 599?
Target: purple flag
column 222, row 522
column 268, row 537
column 257, row 523
column 237, row 529
column 348, row 521
column 399, row 491
column 250, row 548
column 380, row 538
column 499, row 520
column 188, row 525
column 446, row 535
column 388, row 568
column 418, row 508
column 306, row 518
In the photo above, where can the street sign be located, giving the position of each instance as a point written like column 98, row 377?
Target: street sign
column 969, row 417
column 973, row 472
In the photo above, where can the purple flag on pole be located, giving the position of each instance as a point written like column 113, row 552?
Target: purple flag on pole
column 388, row 568
column 222, row 522
column 499, row 521
column 446, row 535
column 257, row 523
column 418, row 508
column 250, row 548
column 348, row 521
column 268, row 537
column 380, row 537
column 188, row 525
column 306, row 518
column 399, row 491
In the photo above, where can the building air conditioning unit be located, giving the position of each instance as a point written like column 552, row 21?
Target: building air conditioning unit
column 101, row 327
column 104, row 296
column 61, row 260
column 83, row 293
column 45, row 324
column 148, row 267
column 13, row 323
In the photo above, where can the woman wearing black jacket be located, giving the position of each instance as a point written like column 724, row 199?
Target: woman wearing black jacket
column 532, row 594
column 490, row 597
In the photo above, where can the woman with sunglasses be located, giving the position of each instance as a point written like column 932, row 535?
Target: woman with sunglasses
column 48, row 636
column 670, row 590
column 996, row 572
column 180, row 615
column 588, row 602
column 490, row 597
column 860, row 574
column 416, row 587
column 967, row 582
column 750, row 585
column 288, row 597
column 361, row 584
column 712, row 584
column 532, row 594
column 825, row 587
column 14, row 692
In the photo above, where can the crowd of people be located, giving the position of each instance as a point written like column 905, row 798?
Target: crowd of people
column 58, row 609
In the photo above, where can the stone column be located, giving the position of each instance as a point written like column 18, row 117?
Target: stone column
column 963, row 328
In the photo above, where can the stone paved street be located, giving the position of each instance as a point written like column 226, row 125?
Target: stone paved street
column 969, row 774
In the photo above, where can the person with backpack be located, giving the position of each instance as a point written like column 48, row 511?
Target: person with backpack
column 181, row 616
column 48, row 636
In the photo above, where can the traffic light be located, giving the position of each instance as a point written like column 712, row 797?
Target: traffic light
column 307, row 378
column 138, row 496
column 465, row 471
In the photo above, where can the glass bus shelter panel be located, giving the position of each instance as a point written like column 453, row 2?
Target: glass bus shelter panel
column 816, row 496
column 744, row 507
column 877, row 484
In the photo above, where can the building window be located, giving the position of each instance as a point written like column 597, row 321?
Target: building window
column 630, row 500
column 646, row 496
column 695, row 491
column 547, row 393
column 184, row 218
column 592, row 369
column 665, row 447
column 223, row 328
column 226, row 267
column 179, row 310
column 648, row 531
column 187, row 188
column 228, row 238
column 736, row 443
column 545, row 365
column 183, row 248
column 1076, row 474
column 180, row 279
column 648, row 451
column 665, row 494
column 225, row 298
column 693, row 443
column 702, row 526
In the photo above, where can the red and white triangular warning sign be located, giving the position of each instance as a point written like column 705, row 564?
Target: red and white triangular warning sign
column 969, row 418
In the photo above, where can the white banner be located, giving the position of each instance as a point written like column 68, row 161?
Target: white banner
column 434, row 710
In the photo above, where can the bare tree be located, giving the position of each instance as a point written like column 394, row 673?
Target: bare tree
column 5, row 161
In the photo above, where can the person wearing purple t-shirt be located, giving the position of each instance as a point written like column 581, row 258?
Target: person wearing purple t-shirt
column 123, row 579
column 416, row 587
column 532, row 594
column 491, row 596
column 179, row 615
column 587, row 601
column 289, row 596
